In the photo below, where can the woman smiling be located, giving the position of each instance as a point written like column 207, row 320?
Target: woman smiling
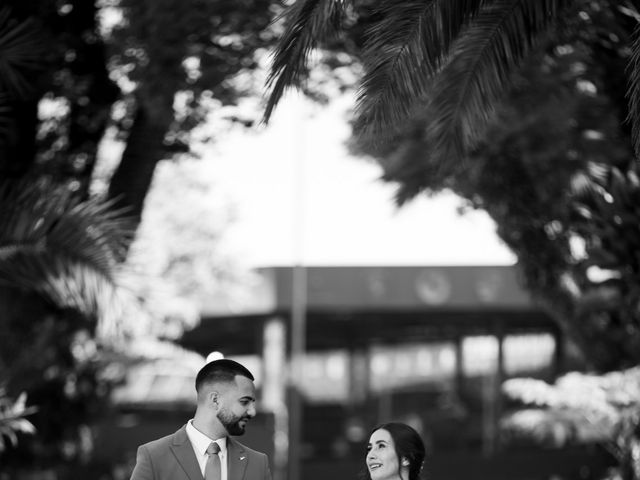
column 395, row 452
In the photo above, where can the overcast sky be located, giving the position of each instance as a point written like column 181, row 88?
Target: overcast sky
column 301, row 198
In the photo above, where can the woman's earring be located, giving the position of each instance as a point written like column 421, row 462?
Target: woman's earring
column 405, row 463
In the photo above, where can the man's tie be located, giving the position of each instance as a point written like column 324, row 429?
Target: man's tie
column 212, row 469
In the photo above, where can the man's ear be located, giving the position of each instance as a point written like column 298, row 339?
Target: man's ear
column 214, row 398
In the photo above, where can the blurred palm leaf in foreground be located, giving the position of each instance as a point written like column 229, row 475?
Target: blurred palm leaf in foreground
column 12, row 419
column 59, row 291
column 64, row 250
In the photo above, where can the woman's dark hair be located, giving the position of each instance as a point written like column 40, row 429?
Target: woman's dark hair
column 408, row 445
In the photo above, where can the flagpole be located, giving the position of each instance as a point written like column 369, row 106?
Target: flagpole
column 298, row 295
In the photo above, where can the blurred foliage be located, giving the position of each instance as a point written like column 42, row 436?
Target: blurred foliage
column 606, row 308
column 557, row 173
column 12, row 419
column 182, row 261
column 72, row 73
column 518, row 107
column 551, row 143
column 554, row 168
column 557, row 148
column 58, row 287
column 152, row 70
column 442, row 65
column 61, row 248
column 165, row 48
column 581, row 408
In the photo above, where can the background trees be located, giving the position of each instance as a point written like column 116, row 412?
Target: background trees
column 58, row 287
column 72, row 74
column 528, row 109
column 74, row 69
column 552, row 163
column 520, row 108
column 581, row 408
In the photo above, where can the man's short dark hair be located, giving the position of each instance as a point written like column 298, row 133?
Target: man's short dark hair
column 223, row 370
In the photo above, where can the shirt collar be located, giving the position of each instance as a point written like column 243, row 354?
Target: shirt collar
column 201, row 442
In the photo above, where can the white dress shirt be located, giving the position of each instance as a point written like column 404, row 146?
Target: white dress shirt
column 200, row 442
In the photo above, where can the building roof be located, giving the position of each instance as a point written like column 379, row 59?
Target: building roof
column 373, row 304
column 374, row 288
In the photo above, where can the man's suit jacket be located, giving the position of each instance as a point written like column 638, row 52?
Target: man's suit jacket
column 172, row 458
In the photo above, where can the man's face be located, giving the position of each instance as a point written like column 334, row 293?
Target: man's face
column 237, row 405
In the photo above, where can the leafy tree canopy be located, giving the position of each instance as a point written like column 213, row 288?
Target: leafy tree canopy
column 71, row 73
column 519, row 107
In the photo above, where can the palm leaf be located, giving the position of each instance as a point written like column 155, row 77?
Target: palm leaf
column 466, row 91
column 88, row 232
column 12, row 418
column 308, row 23
column 22, row 49
column 64, row 250
column 403, row 50
column 634, row 91
column 63, row 282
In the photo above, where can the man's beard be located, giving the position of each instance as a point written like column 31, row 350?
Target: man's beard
column 231, row 423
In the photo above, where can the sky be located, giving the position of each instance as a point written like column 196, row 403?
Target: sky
column 301, row 198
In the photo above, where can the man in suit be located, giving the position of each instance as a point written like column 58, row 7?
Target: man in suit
column 203, row 448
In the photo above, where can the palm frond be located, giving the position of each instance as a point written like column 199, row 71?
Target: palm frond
column 62, row 249
column 308, row 23
column 89, row 232
column 12, row 418
column 467, row 89
column 64, row 283
column 22, row 49
column 410, row 165
column 633, row 92
column 403, row 50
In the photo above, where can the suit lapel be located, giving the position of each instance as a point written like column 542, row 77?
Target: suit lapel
column 182, row 449
column 236, row 461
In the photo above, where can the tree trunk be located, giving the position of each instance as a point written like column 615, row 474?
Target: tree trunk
column 132, row 179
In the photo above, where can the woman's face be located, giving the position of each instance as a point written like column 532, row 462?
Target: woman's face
column 382, row 461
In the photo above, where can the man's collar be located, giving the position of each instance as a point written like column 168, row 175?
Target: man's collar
column 201, row 441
